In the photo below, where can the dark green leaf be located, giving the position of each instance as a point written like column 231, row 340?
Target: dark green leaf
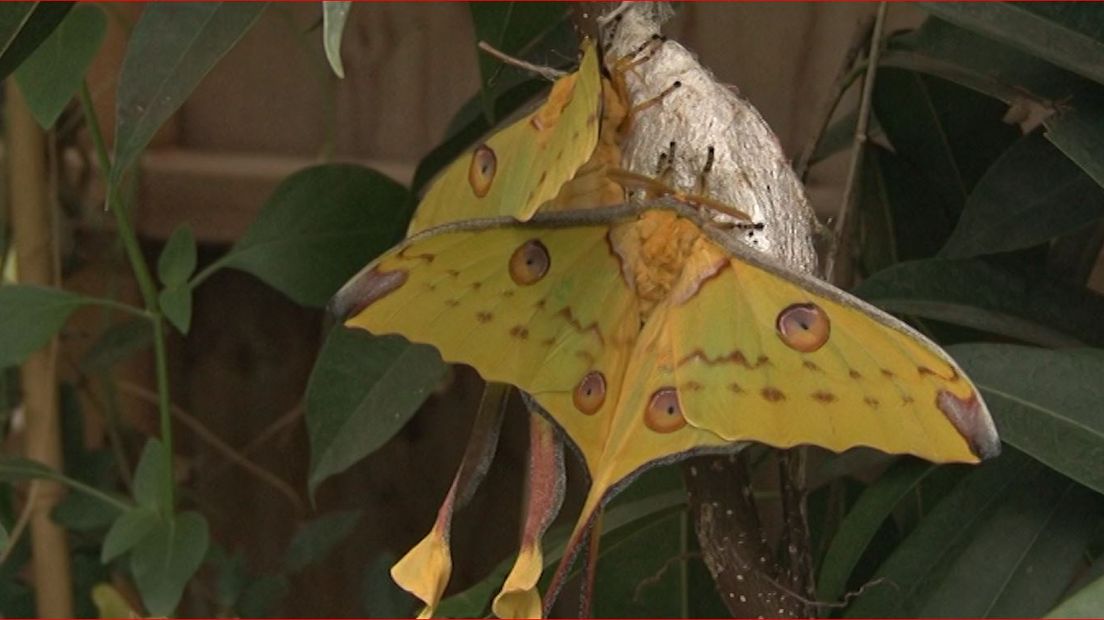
column 380, row 597
column 171, row 48
column 640, row 570
column 262, row 596
column 515, row 28
column 50, row 76
column 164, row 561
column 5, row 539
column 30, row 30
column 128, row 530
column 176, row 304
column 29, row 317
column 1078, row 132
column 876, row 239
column 922, row 560
column 14, row 469
column 81, row 512
column 150, row 475
column 863, row 521
column 974, row 293
column 1068, row 35
column 117, row 343
column 232, row 574
column 315, row 539
column 1023, row 558
column 177, row 261
column 334, row 15
column 320, row 226
column 1088, row 602
column 1046, row 403
column 362, row 390
column 1031, row 194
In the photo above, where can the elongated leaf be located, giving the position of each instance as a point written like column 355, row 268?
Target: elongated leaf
column 176, row 304
column 1069, row 36
column 1031, row 194
column 30, row 30
column 1046, row 403
column 171, row 48
column 1079, row 133
column 150, row 475
column 13, row 469
column 363, row 389
column 29, row 317
column 320, row 226
column 177, row 260
column 921, row 561
column 976, row 294
column 334, row 15
column 166, row 558
column 50, row 76
column 317, row 538
column 1088, row 602
column 81, row 512
column 1026, row 82
column 863, row 521
column 13, row 15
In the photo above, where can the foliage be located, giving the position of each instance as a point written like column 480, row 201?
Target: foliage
column 981, row 231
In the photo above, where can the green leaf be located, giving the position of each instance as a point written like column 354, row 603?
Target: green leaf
column 81, row 512
column 164, row 561
column 363, row 389
column 176, row 304
column 1088, row 602
column 5, row 539
column 262, row 596
column 22, row 33
column 50, row 76
column 315, row 539
column 1069, row 36
column 15, row 469
column 1079, row 133
column 171, row 48
column 320, row 226
column 334, row 15
column 1046, row 403
column 863, row 521
column 380, row 596
column 117, row 343
column 920, row 562
column 1030, row 195
column 515, row 28
column 129, row 529
column 973, row 293
column 177, row 261
column 150, row 475
column 29, row 317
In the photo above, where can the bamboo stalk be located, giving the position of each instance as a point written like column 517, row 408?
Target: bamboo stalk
column 33, row 238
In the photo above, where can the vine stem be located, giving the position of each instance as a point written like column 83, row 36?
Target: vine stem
column 145, row 284
column 861, row 126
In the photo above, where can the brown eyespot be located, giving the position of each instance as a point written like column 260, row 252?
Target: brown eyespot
column 590, row 393
column 803, row 327
column 529, row 262
column 664, row 413
column 482, row 170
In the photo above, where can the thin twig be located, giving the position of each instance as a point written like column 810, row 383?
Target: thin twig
column 828, row 106
column 863, row 122
column 547, row 73
column 218, row 444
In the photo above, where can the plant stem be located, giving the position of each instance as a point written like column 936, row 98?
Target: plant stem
column 850, row 188
column 145, row 284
